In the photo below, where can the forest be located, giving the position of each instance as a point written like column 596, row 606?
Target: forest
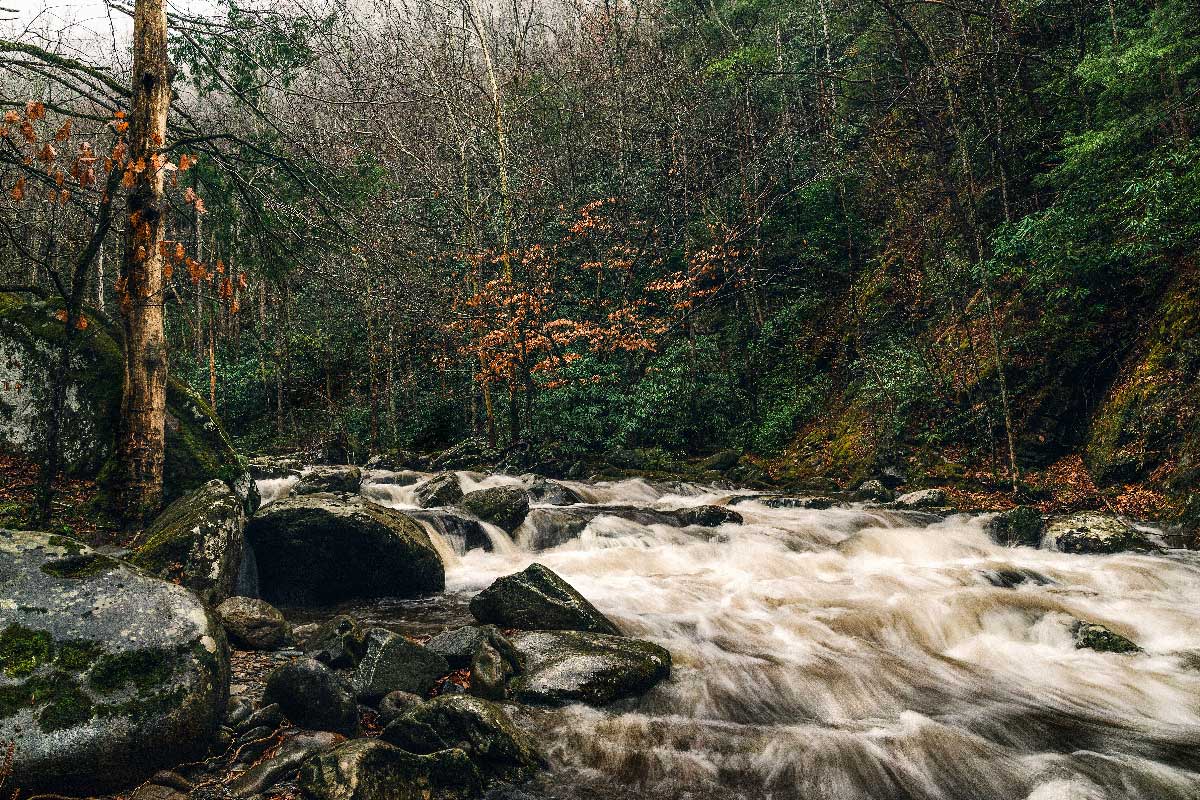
column 747, row 267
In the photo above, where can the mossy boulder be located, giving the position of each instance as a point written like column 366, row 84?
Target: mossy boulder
column 482, row 729
column 253, row 624
column 197, row 447
column 106, row 672
column 1018, row 527
column 197, row 542
column 503, row 506
column 1089, row 635
column 572, row 667
column 1097, row 534
column 321, row 549
column 538, row 599
column 368, row 769
column 392, row 663
column 329, row 479
column 442, row 489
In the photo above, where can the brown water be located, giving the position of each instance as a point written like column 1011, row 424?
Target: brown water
column 851, row 654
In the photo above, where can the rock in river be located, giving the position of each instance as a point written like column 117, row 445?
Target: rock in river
column 392, row 663
column 368, row 769
column 197, row 542
column 442, row 489
column 321, row 549
column 1093, row 533
column 329, row 479
column 538, row 599
column 253, row 624
column 570, row 667
column 313, row 696
column 503, row 506
column 106, row 673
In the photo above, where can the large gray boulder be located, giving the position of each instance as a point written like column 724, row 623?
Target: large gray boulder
column 368, row 769
column 197, row 542
column 312, row 696
column 1094, row 533
column 106, row 672
column 503, row 506
column 197, row 447
column 571, row 667
column 538, row 599
column 321, row 549
column 392, row 663
column 482, row 729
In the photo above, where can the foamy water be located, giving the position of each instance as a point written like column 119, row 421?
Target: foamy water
column 846, row 654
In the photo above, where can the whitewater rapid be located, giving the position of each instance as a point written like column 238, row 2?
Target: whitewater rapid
column 856, row 654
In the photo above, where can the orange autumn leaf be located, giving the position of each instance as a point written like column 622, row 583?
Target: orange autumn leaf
column 64, row 132
column 128, row 180
column 18, row 191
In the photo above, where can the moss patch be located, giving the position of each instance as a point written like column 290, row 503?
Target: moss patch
column 65, row 704
column 142, row 669
column 78, row 655
column 80, row 566
column 23, row 650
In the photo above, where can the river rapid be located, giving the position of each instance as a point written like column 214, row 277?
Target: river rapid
column 851, row 654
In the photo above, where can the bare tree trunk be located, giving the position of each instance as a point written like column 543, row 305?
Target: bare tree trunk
column 141, row 440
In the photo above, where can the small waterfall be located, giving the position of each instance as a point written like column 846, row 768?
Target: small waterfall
column 272, row 489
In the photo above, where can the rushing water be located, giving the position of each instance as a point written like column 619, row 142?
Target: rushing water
column 852, row 654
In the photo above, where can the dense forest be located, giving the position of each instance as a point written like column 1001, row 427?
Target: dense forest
column 959, row 237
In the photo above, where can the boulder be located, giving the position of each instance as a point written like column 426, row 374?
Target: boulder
column 264, row 468
column 322, row 549
column 1093, row 533
column 329, row 479
column 368, row 769
column 338, row 642
column 1018, row 527
column 471, row 453
column 922, row 498
column 395, row 704
column 708, row 516
column 550, row 527
column 292, row 753
column 395, row 460
column 550, row 493
column 441, row 490
column 253, row 624
column 502, row 506
column 107, row 673
column 393, row 663
column 393, row 478
column 480, row 728
column 538, row 599
column 197, row 542
column 874, row 491
column 722, row 461
column 1097, row 637
column 312, row 696
column 197, row 448
column 485, row 652
column 564, row 667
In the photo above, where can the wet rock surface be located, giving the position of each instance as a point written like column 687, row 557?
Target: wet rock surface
column 393, row 663
column 573, row 667
column 1094, row 533
column 502, row 506
column 538, row 599
column 442, row 489
column 369, row 769
column 335, row 479
column 107, row 674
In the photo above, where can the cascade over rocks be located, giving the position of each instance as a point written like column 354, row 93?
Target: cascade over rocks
column 311, row 695
column 550, row 493
column 480, row 728
column 538, row 599
column 253, row 624
column 392, row 663
column 442, row 489
column 1091, row 532
column 106, row 673
column 369, row 769
column 454, row 526
column 324, row 548
column 503, row 506
column 197, row 542
column 550, row 527
column 572, row 667
column 197, row 448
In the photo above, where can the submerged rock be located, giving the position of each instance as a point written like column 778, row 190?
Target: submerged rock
column 1020, row 527
column 313, row 696
column 253, row 624
column 1097, row 637
column 571, row 667
column 314, row 480
column 442, row 489
column 107, row 674
column 392, row 663
column 368, row 769
column 322, row 549
column 538, row 599
column 480, row 728
column 503, row 506
column 197, row 542
column 1093, row 533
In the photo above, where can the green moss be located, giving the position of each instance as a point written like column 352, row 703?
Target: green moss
column 78, row 655
column 80, row 566
column 23, row 650
column 65, row 705
column 72, row 546
column 1101, row 639
column 142, row 669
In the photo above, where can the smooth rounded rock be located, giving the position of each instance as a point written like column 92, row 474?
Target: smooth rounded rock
column 572, row 667
column 503, row 506
column 312, row 696
column 392, row 663
column 253, row 624
column 538, row 599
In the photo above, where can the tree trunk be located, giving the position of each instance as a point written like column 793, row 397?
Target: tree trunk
column 141, row 439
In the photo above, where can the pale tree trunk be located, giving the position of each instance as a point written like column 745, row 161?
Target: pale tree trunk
column 141, row 440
